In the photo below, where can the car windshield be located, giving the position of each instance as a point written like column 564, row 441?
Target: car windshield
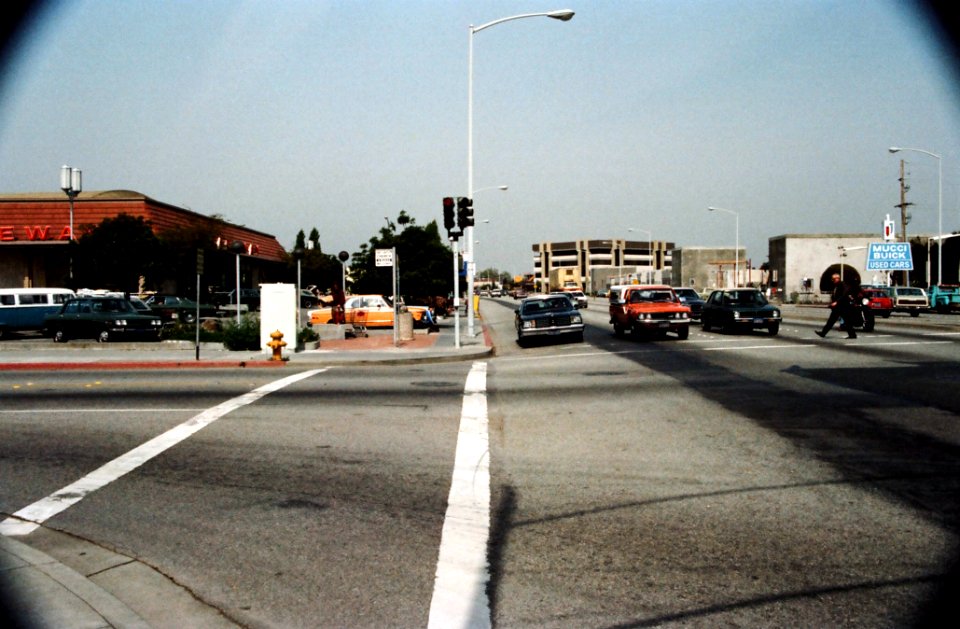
column 650, row 295
column 533, row 306
column 111, row 305
column 687, row 293
column 745, row 298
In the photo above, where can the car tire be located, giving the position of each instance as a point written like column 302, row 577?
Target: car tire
column 705, row 324
column 683, row 333
column 59, row 336
column 773, row 329
column 103, row 337
column 617, row 329
column 914, row 313
column 188, row 317
column 522, row 342
column 578, row 337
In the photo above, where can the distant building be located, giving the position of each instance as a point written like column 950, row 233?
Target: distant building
column 601, row 263
column 801, row 264
column 35, row 232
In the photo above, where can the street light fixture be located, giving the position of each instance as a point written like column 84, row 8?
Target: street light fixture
column 564, row 15
column 736, row 251
column 71, row 182
column 897, row 149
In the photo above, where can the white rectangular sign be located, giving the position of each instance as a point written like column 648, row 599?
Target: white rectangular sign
column 384, row 257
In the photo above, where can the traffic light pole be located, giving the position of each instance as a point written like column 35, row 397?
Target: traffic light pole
column 456, row 294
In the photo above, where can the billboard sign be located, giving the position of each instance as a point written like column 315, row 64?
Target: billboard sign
column 889, row 256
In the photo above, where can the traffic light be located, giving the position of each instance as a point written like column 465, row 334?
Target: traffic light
column 464, row 212
column 448, row 218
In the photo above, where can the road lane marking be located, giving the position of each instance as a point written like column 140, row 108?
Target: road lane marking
column 29, row 518
column 459, row 589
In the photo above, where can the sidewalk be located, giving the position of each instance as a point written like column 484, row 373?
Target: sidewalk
column 61, row 581
column 376, row 348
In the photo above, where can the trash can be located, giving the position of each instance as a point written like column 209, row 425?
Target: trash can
column 405, row 321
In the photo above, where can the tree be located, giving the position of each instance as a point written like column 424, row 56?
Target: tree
column 117, row 252
column 424, row 261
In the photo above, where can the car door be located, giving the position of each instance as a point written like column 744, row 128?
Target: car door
column 379, row 312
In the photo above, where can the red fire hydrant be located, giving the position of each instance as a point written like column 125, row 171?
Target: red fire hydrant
column 277, row 345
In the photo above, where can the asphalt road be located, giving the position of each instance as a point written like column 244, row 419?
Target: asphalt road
column 725, row 480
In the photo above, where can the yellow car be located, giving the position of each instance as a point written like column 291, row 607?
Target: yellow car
column 372, row 311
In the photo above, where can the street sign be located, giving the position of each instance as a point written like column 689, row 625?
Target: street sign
column 383, row 257
column 889, row 256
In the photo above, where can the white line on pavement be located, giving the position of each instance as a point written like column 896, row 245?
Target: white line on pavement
column 27, row 520
column 459, row 590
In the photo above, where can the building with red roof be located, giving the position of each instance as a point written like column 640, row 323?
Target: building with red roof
column 35, row 233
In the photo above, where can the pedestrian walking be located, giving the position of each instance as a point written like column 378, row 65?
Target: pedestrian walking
column 841, row 306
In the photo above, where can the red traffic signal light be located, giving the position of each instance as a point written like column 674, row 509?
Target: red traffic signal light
column 449, row 222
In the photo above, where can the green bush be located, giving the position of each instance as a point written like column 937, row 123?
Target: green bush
column 307, row 335
column 188, row 332
column 242, row 336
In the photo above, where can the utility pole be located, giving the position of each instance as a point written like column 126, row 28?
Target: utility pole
column 904, row 216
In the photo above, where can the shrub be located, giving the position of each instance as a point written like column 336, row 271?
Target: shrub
column 242, row 336
column 307, row 335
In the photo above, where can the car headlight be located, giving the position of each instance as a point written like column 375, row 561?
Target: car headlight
column 156, row 322
column 576, row 319
column 736, row 314
column 120, row 322
column 527, row 325
column 776, row 314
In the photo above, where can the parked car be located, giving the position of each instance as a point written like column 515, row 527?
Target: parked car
column 644, row 309
column 25, row 308
column 249, row 297
column 174, row 309
column 878, row 300
column 372, row 311
column 945, row 298
column 307, row 299
column 692, row 299
column 736, row 309
column 101, row 318
column 548, row 315
column 909, row 299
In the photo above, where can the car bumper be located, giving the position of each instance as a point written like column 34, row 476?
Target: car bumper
column 670, row 325
column 755, row 322
column 552, row 331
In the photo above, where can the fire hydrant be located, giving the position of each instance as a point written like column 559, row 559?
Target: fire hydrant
column 277, row 345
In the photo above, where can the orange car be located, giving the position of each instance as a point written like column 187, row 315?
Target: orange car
column 376, row 309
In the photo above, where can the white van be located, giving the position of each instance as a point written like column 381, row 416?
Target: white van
column 25, row 308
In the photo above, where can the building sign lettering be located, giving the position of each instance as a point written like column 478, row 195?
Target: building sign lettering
column 33, row 233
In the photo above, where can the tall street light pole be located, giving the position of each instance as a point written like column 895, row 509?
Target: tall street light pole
column 736, row 252
column 562, row 15
column 897, row 149
column 71, row 182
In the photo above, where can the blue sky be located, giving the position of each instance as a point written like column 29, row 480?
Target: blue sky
column 294, row 114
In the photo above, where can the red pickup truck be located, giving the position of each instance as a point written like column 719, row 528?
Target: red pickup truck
column 648, row 310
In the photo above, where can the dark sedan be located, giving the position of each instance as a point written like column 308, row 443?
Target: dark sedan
column 692, row 299
column 548, row 315
column 101, row 318
column 173, row 309
column 735, row 309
